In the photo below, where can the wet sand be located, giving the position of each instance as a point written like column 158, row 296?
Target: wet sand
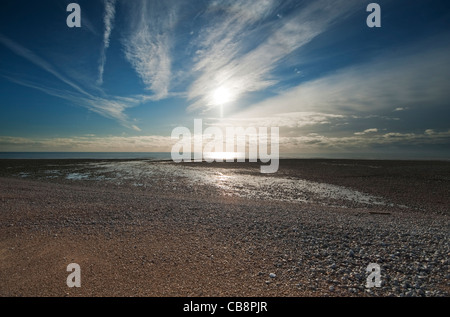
column 165, row 236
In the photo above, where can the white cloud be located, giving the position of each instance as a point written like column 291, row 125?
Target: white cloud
column 281, row 120
column 367, row 131
column 309, row 143
column 148, row 43
column 40, row 62
column 370, row 87
column 108, row 20
column 151, row 143
column 112, row 108
column 107, row 106
column 223, row 63
column 314, row 142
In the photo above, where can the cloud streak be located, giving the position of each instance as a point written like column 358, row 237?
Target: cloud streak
column 380, row 85
column 110, row 107
column 314, row 141
column 150, row 143
column 148, row 43
column 38, row 61
column 283, row 120
column 220, row 64
column 108, row 20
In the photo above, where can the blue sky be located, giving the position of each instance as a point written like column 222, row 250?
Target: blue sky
column 137, row 69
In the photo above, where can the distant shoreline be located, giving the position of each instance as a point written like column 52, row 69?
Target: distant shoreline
column 282, row 159
column 166, row 156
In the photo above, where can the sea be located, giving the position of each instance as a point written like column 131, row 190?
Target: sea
column 86, row 155
column 156, row 156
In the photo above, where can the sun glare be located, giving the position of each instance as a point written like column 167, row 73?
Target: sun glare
column 221, row 95
column 221, row 155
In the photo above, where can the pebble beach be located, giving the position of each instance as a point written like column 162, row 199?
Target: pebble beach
column 156, row 228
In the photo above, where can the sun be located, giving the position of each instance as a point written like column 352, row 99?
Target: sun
column 221, row 96
column 221, row 156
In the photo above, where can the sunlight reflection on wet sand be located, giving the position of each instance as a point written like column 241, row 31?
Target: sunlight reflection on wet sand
column 232, row 182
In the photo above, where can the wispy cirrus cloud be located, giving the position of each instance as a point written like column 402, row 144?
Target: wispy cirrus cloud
column 107, row 106
column 147, row 43
column 379, row 85
column 38, row 61
column 283, row 120
column 226, row 60
column 108, row 20
column 111, row 107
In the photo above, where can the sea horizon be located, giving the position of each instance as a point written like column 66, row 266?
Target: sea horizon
column 167, row 156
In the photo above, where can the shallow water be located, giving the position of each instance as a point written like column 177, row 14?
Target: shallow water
column 233, row 182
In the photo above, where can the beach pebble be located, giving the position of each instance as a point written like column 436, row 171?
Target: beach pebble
column 317, row 245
